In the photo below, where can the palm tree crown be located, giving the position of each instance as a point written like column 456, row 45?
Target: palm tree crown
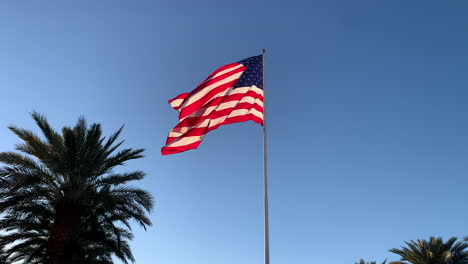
column 62, row 200
column 434, row 251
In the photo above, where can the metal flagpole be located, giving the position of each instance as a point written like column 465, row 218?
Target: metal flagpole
column 265, row 171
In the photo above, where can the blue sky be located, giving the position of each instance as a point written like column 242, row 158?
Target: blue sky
column 367, row 110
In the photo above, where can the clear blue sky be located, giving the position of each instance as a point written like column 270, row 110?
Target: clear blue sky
column 367, row 112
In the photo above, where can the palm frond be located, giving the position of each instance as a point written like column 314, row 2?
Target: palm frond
column 435, row 250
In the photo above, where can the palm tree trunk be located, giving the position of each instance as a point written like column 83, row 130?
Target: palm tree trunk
column 61, row 248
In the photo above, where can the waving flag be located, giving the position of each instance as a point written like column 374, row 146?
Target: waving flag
column 231, row 94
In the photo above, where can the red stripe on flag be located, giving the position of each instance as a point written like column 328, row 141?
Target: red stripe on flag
column 193, row 120
column 182, row 97
column 209, row 81
column 222, row 68
column 237, row 119
column 187, row 110
column 198, row 131
column 173, row 150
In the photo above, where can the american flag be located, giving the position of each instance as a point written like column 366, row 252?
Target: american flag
column 231, row 94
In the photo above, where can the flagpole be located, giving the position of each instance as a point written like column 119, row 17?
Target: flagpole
column 265, row 172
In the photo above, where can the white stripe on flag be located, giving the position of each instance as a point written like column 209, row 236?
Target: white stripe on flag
column 230, row 91
column 213, row 122
column 184, row 141
column 224, row 71
column 200, row 94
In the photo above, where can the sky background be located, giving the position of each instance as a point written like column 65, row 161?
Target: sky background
column 367, row 118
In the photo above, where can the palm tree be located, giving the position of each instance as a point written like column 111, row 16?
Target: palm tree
column 434, row 251
column 372, row 262
column 63, row 201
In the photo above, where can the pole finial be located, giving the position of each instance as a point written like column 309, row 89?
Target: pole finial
column 263, row 51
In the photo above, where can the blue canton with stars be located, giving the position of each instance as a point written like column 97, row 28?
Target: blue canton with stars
column 253, row 75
